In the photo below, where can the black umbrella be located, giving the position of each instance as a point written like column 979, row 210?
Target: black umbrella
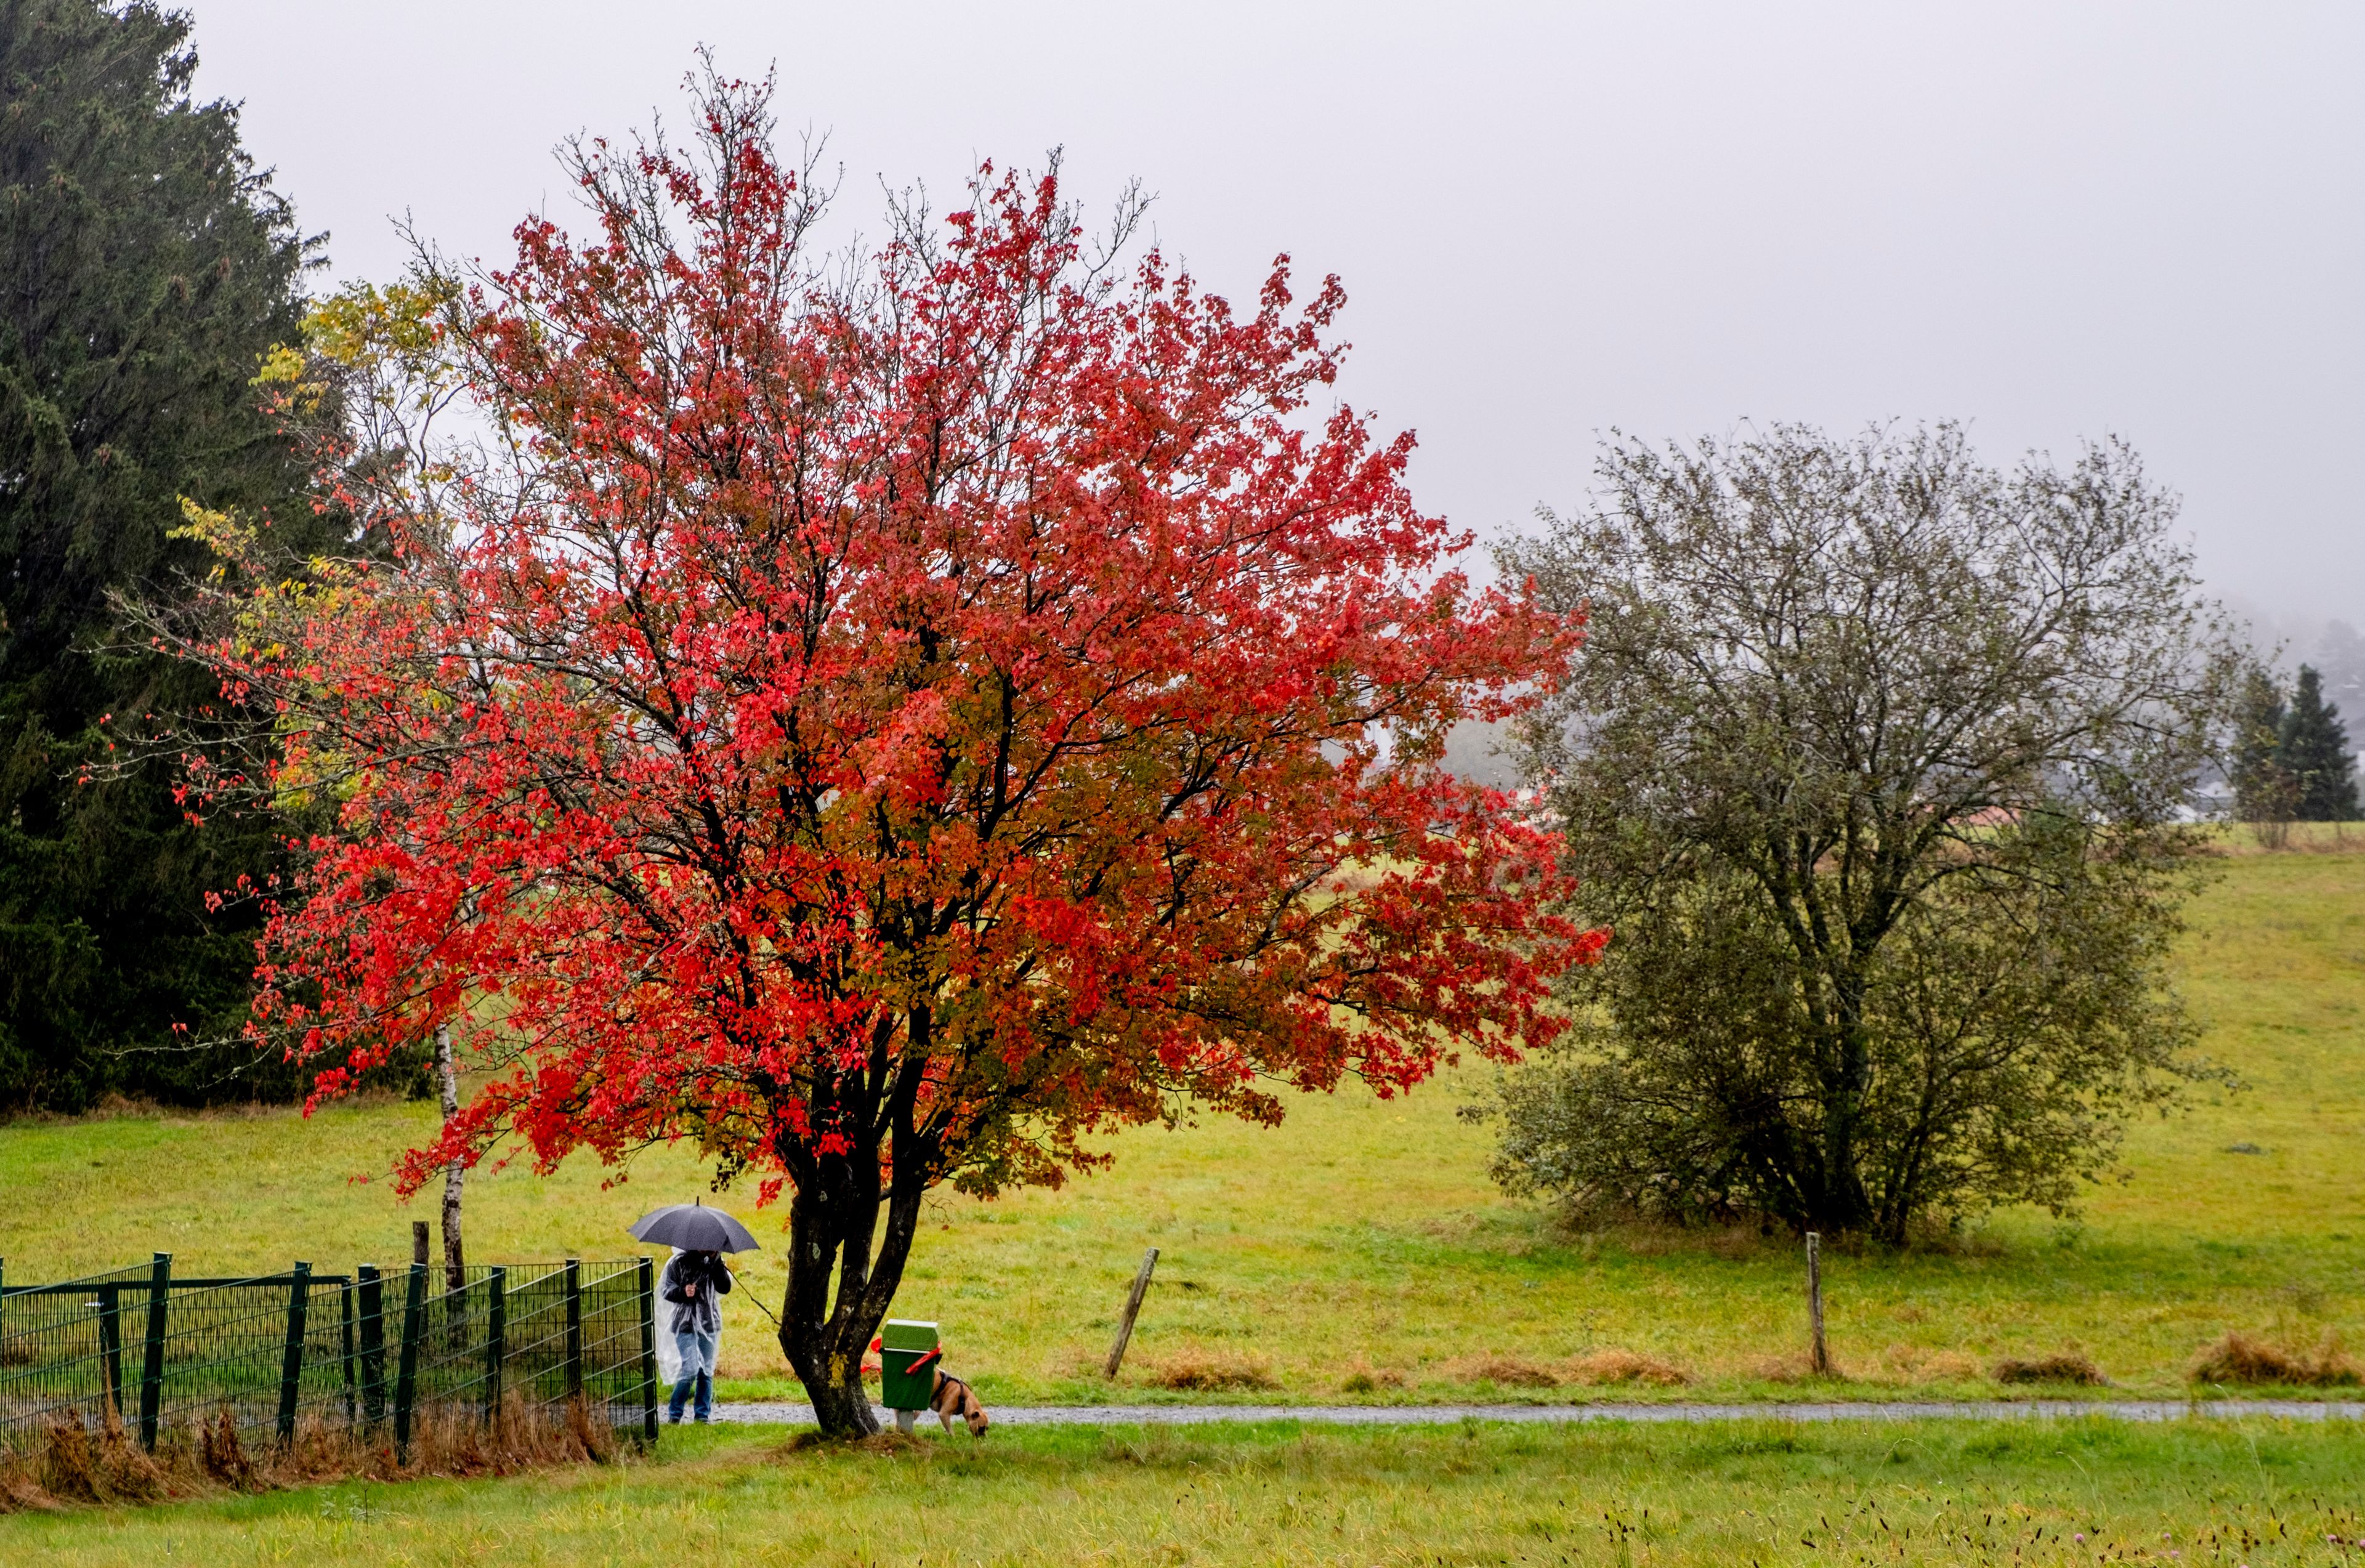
column 693, row 1227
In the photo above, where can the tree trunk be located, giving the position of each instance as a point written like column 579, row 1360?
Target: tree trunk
column 831, row 1222
column 455, row 1175
column 1842, row 1207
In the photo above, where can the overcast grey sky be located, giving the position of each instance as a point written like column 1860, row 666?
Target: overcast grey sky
column 2052, row 220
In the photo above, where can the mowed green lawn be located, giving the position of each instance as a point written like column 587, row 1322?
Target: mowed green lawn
column 2261, row 1494
column 1362, row 1242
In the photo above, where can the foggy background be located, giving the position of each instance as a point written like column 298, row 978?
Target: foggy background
column 2052, row 222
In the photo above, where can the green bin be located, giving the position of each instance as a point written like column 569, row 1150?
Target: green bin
column 908, row 1356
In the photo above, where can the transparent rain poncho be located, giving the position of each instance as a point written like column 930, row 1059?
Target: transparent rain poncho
column 669, row 1353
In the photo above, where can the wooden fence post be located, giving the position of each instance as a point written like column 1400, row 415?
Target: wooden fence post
column 371, row 1289
column 151, row 1365
column 648, row 1305
column 496, row 1338
column 1132, row 1310
column 574, row 1327
column 406, row 1376
column 1819, row 1356
column 291, row 1360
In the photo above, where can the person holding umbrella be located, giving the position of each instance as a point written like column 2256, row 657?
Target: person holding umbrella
column 695, row 1281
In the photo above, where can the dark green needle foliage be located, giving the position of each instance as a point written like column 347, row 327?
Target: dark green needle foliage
column 145, row 265
column 1875, row 762
column 2264, row 789
column 2313, row 751
column 2291, row 760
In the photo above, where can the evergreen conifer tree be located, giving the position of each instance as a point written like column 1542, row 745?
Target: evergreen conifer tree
column 2315, row 750
column 148, row 265
column 2263, row 791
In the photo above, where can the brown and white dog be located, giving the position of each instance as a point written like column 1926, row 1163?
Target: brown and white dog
column 953, row 1397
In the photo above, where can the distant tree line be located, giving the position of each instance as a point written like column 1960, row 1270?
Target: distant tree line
column 2291, row 757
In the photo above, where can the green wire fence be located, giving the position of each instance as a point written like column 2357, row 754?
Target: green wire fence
column 369, row 1352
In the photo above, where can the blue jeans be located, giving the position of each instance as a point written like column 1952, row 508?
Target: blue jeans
column 697, row 1347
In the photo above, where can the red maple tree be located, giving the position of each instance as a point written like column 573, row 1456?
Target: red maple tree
column 887, row 716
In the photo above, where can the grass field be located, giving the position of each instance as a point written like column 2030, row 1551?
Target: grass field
column 1363, row 1243
column 2258, row 1494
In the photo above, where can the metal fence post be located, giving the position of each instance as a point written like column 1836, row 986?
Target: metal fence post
column 648, row 1314
column 574, row 1327
column 291, row 1360
column 151, row 1365
column 110, row 1347
column 406, row 1377
column 371, row 1289
column 497, row 1338
column 346, row 1345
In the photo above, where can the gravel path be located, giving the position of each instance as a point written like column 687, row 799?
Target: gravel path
column 1432, row 1415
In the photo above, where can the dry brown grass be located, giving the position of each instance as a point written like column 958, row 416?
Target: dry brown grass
column 77, row 1465
column 218, row 1453
column 2292, row 837
column 1211, row 1371
column 1608, row 1366
column 1603, row 1368
column 1505, row 1371
column 2067, row 1366
column 136, row 1108
column 69, row 1471
column 1793, row 1367
column 1920, row 1363
column 72, row 1464
column 1367, row 1378
column 2238, row 1358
